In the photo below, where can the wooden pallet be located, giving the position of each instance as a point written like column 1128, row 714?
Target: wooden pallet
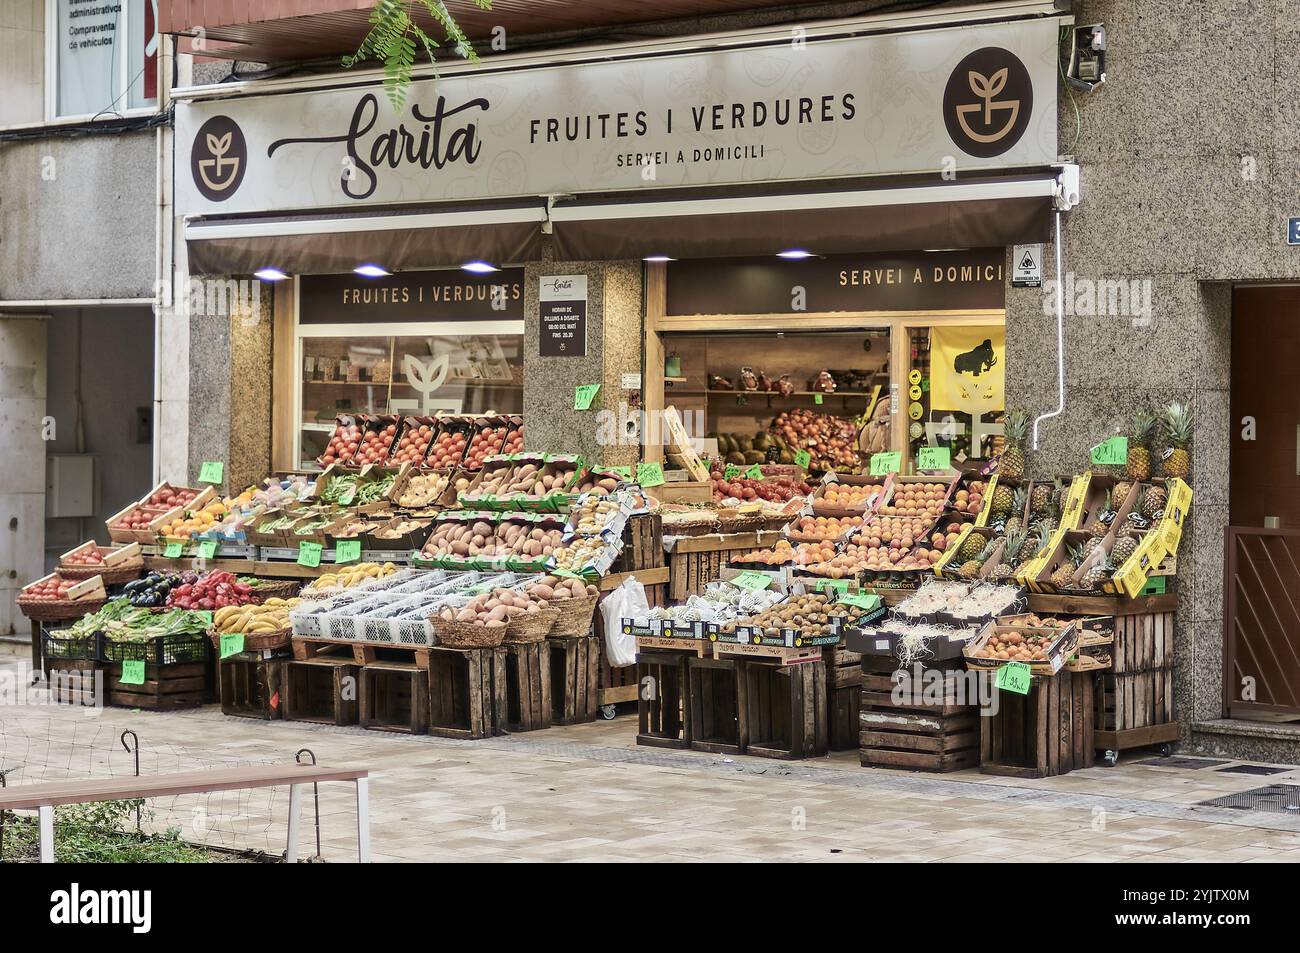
column 783, row 709
column 527, row 688
column 575, row 679
column 1042, row 734
column 466, row 692
column 360, row 653
column 322, row 689
column 941, row 735
column 394, row 697
column 166, row 687
column 251, row 686
column 663, row 699
column 715, row 694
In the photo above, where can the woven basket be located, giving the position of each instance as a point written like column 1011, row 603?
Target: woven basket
column 529, row 627
column 277, row 588
column 58, row 610
column 112, row 577
column 467, row 635
column 574, row 616
column 257, row 641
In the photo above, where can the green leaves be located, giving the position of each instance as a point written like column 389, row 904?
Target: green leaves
column 394, row 33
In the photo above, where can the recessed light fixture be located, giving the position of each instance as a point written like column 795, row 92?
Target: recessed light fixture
column 479, row 267
column 658, row 258
column 794, row 253
column 372, row 271
column 270, row 274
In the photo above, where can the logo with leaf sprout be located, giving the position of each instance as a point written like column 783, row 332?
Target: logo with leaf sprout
column 987, row 102
column 218, row 158
column 425, row 378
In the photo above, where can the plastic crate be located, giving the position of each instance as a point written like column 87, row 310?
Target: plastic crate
column 160, row 650
column 86, row 648
column 369, row 586
column 411, row 626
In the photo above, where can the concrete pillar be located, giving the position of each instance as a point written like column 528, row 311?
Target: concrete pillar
column 22, row 465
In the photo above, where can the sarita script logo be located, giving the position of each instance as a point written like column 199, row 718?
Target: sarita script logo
column 445, row 136
column 97, row 907
column 557, row 286
column 987, row 102
column 218, row 158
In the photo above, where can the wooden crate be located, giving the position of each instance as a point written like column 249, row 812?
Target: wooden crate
column 843, row 698
column 697, row 561
column 643, row 544
column 166, row 687
column 250, row 686
column 394, row 697
column 1134, row 699
column 322, row 690
column 939, row 736
column 1143, row 642
column 74, row 681
column 575, row 679
column 715, row 695
column 527, row 687
column 783, row 709
column 663, row 699
column 1042, row 734
column 466, row 692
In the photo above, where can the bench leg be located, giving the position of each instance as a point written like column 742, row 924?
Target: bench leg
column 46, row 823
column 363, row 820
column 295, row 810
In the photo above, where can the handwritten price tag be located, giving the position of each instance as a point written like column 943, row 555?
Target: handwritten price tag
column 207, row 549
column 212, row 471
column 863, row 600
column 347, row 550
column 833, row 585
column 731, row 472
column 1014, row 677
column 803, row 458
column 583, row 395
column 173, row 550
column 755, row 472
column 650, row 474
column 309, row 554
column 934, row 458
column 133, row 672
column 883, row 464
column 1110, row 452
column 818, row 399
column 624, row 473
column 751, row 579
column 232, row 644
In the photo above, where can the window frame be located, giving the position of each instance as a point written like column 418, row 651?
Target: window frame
column 52, row 116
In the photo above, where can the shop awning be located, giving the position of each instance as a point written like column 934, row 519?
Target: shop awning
column 976, row 214
column 400, row 241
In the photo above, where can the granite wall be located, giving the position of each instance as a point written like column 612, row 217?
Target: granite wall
column 1189, row 173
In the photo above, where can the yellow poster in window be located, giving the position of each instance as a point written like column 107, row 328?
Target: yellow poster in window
column 967, row 368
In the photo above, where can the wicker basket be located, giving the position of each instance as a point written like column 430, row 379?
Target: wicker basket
column 467, row 635
column 277, row 588
column 59, row 610
column 257, row 641
column 574, row 616
column 112, row 577
column 529, row 627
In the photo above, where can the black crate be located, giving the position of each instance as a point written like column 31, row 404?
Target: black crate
column 85, row 648
column 160, row 650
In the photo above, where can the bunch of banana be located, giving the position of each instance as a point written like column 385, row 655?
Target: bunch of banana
column 270, row 616
column 350, row 575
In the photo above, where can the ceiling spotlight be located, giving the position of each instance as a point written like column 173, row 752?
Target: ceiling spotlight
column 658, row 258
column 371, row 271
column 479, row 267
column 270, row 274
column 794, row 253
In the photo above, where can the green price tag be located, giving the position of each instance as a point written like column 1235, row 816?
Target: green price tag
column 212, row 471
column 624, row 473
column 347, row 550
column 863, row 600
column 583, row 395
column 803, row 458
column 818, row 399
column 203, row 614
column 133, row 672
column 751, row 579
column 567, row 574
column 309, row 554
column 173, row 550
column 1014, row 677
column 755, row 472
column 1111, row 452
column 934, row 458
column 232, row 644
column 833, row 585
column 650, row 474
column 883, row 464
column 207, row 549
column 731, row 472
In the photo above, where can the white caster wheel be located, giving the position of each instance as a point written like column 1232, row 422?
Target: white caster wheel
column 1111, row 758
column 608, row 712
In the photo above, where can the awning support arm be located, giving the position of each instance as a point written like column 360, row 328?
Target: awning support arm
column 1067, row 196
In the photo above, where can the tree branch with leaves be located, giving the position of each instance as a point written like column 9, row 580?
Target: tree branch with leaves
column 394, row 35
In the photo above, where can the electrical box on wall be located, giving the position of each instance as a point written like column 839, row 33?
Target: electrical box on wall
column 69, row 485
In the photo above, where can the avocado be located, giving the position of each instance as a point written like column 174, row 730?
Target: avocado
column 736, row 457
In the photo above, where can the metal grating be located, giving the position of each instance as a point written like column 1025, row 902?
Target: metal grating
column 1262, row 770
column 1191, row 764
column 1274, row 799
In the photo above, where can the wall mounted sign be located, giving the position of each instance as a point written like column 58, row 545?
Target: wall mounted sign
column 424, row 296
column 562, row 324
column 974, row 97
column 968, row 368
column 1293, row 231
column 925, row 281
column 1027, row 266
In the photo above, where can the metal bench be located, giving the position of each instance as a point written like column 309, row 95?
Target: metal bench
column 46, row 797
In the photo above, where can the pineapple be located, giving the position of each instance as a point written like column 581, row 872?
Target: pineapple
column 1098, row 528
column 1043, row 534
column 1139, row 446
column 970, row 569
column 1065, row 572
column 970, row 547
column 1153, row 501
column 1177, row 421
column 1124, row 547
column 1014, row 520
column 1119, row 494
column 1040, row 498
column 1005, row 568
column 1097, row 575
column 1015, row 427
column 1004, row 499
column 1091, row 545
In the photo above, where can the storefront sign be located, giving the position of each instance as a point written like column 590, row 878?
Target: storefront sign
column 930, row 101
column 423, row 296
column 925, row 281
column 968, row 368
column 1027, row 266
column 562, row 325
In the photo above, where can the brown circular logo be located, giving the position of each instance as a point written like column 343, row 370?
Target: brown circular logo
column 218, row 158
column 987, row 102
